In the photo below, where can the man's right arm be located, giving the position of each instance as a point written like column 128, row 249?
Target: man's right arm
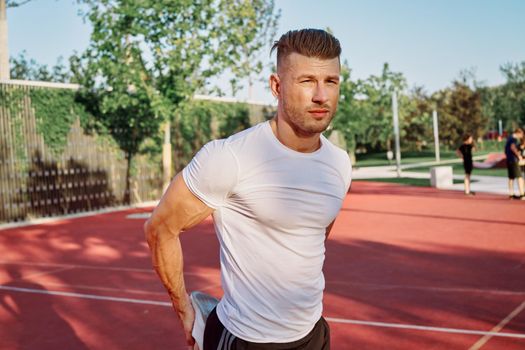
column 178, row 210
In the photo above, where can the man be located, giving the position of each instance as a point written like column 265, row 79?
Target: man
column 513, row 158
column 274, row 191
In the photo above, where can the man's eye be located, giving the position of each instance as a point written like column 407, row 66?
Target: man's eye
column 306, row 81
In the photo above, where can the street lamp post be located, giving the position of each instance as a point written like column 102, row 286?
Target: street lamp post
column 396, row 133
column 4, row 53
column 436, row 135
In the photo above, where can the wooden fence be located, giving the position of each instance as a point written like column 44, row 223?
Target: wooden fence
column 90, row 173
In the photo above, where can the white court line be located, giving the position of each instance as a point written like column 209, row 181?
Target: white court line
column 92, row 267
column 84, row 296
column 104, row 289
column 371, row 285
column 330, row 319
column 110, row 289
column 423, row 328
column 430, row 288
column 46, row 272
column 139, row 216
column 498, row 328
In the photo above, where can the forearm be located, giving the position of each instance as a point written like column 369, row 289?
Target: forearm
column 167, row 260
column 178, row 210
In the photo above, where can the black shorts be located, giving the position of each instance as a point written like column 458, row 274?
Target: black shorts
column 468, row 167
column 216, row 337
column 513, row 170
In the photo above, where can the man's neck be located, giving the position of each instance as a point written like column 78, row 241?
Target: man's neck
column 289, row 137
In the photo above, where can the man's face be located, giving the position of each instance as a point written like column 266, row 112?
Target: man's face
column 307, row 89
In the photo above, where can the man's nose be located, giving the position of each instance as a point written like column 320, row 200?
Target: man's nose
column 320, row 94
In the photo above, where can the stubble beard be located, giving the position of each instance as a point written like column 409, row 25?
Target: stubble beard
column 304, row 124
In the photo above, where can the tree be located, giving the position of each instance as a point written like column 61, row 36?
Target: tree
column 28, row 69
column 506, row 102
column 364, row 114
column 351, row 118
column 378, row 102
column 256, row 26
column 127, row 114
column 514, row 72
column 459, row 110
column 16, row 3
column 147, row 57
column 510, row 99
column 417, row 119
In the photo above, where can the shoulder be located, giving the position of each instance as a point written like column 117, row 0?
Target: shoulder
column 340, row 160
column 221, row 155
column 245, row 145
column 340, row 155
column 215, row 151
column 246, row 135
column 230, row 145
column 212, row 173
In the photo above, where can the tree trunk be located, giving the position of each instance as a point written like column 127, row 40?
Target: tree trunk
column 178, row 145
column 166, row 157
column 250, row 88
column 388, row 144
column 127, row 191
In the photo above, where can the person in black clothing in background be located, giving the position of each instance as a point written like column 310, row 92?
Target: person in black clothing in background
column 514, row 157
column 522, row 161
column 465, row 151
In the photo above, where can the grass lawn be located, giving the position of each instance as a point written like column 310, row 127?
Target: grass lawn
column 413, row 157
column 378, row 159
column 406, row 181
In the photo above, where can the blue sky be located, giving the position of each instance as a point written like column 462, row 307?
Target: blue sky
column 430, row 42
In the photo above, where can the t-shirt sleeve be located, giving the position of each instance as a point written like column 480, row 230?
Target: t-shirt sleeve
column 212, row 173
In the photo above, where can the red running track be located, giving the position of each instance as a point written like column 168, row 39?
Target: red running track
column 406, row 268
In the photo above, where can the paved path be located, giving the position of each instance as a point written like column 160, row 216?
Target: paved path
column 485, row 184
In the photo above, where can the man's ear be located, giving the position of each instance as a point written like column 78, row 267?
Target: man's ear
column 275, row 85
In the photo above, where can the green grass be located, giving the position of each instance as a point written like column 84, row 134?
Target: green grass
column 457, row 169
column 491, row 146
column 413, row 157
column 406, row 181
column 379, row 159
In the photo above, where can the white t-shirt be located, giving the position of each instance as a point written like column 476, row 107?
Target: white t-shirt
column 272, row 206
